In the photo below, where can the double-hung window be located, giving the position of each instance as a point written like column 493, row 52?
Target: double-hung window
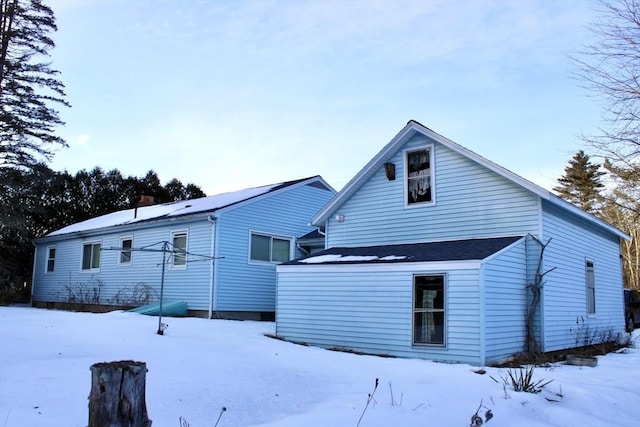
column 419, row 177
column 428, row 310
column 268, row 248
column 91, row 256
column 179, row 249
column 126, row 243
column 51, row 259
column 591, row 287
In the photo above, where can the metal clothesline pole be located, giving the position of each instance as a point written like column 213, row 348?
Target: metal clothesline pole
column 167, row 247
column 164, row 261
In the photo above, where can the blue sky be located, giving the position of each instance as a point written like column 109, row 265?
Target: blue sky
column 233, row 94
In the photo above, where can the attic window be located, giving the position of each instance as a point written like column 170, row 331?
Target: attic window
column 419, row 176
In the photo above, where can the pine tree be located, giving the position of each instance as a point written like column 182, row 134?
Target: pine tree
column 29, row 88
column 581, row 182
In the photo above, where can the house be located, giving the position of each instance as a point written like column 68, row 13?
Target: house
column 431, row 251
column 218, row 254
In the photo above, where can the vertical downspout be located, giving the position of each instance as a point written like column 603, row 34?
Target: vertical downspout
column 33, row 272
column 212, row 220
column 482, row 296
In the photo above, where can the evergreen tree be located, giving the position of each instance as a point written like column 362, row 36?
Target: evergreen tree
column 28, row 87
column 581, row 182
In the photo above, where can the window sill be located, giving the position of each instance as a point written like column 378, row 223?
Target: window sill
column 425, row 345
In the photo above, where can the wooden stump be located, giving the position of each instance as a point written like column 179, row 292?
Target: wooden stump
column 117, row 396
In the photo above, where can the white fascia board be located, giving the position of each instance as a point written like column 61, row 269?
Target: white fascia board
column 273, row 193
column 408, row 131
column 364, row 174
column 122, row 228
column 503, row 250
column 381, row 267
column 534, row 188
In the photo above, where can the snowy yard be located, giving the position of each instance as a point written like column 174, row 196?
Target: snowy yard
column 201, row 365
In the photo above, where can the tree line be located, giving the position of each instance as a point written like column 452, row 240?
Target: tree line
column 38, row 200
column 35, row 200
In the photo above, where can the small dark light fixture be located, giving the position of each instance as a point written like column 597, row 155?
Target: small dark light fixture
column 390, row 171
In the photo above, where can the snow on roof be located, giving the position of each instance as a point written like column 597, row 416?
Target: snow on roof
column 321, row 259
column 169, row 210
column 455, row 250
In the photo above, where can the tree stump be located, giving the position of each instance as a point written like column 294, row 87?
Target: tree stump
column 117, row 396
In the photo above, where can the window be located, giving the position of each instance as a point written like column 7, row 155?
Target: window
column 419, row 177
column 51, row 259
column 91, row 256
column 591, row 288
column 179, row 250
column 428, row 310
column 126, row 243
column 269, row 249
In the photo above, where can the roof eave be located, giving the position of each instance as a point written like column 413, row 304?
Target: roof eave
column 407, row 132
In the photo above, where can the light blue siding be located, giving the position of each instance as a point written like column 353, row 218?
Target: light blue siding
column 118, row 284
column 565, row 301
column 505, row 296
column 471, row 201
column 233, row 283
column 369, row 309
column 250, row 286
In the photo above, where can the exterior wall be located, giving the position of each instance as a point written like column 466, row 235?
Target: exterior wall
column 470, row 202
column 368, row 308
column 240, row 286
column 244, row 285
column 505, row 295
column 114, row 284
column 566, row 322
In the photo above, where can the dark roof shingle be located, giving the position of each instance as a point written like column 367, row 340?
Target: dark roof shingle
column 457, row 250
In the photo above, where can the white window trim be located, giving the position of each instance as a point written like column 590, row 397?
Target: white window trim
column 444, row 317
column 405, row 176
column 174, row 233
column 90, row 242
column 272, row 236
column 587, row 288
column 125, row 264
column 47, row 259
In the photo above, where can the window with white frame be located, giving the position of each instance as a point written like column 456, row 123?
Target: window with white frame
column 91, row 256
column 419, row 176
column 428, row 310
column 591, row 287
column 269, row 248
column 51, row 259
column 179, row 249
column 126, row 243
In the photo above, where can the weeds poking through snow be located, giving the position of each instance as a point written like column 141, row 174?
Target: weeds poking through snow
column 393, row 401
column 222, row 411
column 476, row 420
column 521, row 379
column 184, row 423
column 369, row 399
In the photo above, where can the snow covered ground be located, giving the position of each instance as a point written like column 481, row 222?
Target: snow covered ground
column 201, row 365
